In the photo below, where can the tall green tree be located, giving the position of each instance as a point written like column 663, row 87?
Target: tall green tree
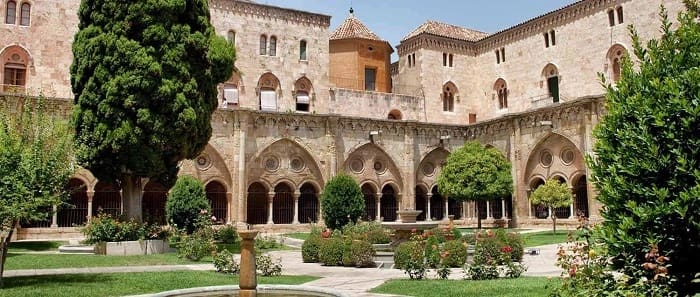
column 342, row 201
column 35, row 165
column 647, row 155
column 476, row 173
column 144, row 75
column 552, row 194
column 185, row 203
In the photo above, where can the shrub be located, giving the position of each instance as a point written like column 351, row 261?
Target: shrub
column 359, row 253
column 514, row 269
column 310, row 249
column 225, row 262
column 342, row 201
column 481, row 272
column 331, row 252
column 266, row 242
column 515, row 242
column 402, row 254
column 409, row 256
column 186, row 202
column 488, row 250
column 437, row 233
column 454, row 253
column 103, row 228
column 226, row 234
column 373, row 232
column 432, row 252
column 195, row 246
column 267, row 267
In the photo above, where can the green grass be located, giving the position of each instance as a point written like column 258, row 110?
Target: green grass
column 44, row 261
column 473, row 230
column 119, row 284
column 35, row 246
column 298, row 235
column 545, row 237
column 525, row 286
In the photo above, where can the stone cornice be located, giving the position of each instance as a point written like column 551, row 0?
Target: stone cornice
column 434, row 42
column 272, row 12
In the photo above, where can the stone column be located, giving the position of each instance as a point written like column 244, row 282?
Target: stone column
column 398, row 205
column 90, row 195
column 428, row 215
column 573, row 201
column 518, row 188
column 296, row 208
column 378, row 198
column 320, row 208
column 409, row 186
column 503, row 208
column 242, row 189
column 229, row 207
column 447, row 208
column 247, row 281
column 54, row 217
column 489, row 215
column 270, row 199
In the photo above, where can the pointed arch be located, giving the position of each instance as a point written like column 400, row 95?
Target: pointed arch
column 421, row 202
column 257, row 203
column 614, row 57
column 437, row 204
column 216, row 195
column 268, row 89
column 500, row 87
column 430, row 166
column 303, row 92
column 74, row 212
column 449, row 92
column 230, row 91
column 550, row 73
column 283, row 203
column 371, row 162
column 308, row 203
column 369, row 191
column 14, row 61
column 284, row 159
column 389, row 203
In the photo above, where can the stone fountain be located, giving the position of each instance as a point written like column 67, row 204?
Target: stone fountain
column 407, row 225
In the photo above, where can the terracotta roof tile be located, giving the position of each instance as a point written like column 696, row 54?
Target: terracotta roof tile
column 353, row 28
column 446, row 30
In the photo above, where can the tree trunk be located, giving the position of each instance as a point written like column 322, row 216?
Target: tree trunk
column 4, row 246
column 478, row 217
column 554, row 224
column 132, row 196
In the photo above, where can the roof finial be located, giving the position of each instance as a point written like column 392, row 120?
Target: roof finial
column 351, row 10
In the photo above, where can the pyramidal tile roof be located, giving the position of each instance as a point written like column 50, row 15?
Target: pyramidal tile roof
column 446, row 30
column 353, row 28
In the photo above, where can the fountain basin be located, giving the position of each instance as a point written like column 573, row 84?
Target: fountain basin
column 402, row 231
column 263, row 291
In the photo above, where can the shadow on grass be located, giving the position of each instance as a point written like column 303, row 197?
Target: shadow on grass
column 54, row 280
column 36, row 246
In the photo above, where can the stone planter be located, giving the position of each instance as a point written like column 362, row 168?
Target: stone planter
column 408, row 215
column 129, row 248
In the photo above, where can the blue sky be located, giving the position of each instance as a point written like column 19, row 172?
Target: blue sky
column 393, row 19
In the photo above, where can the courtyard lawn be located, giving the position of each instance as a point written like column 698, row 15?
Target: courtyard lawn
column 35, row 246
column 45, row 261
column 298, row 235
column 473, row 230
column 545, row 237
column 119, row 284
column 524, row 286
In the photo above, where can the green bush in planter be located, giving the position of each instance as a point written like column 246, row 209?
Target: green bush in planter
column 331, row 252
column 358, row 253
column 186, row 202
column 455, row 253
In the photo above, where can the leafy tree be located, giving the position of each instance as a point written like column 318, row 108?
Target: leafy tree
column 475, row 173
column 342, row 201
column 552, row 194
column 185, row 203
column 144, row 75
column 647, row 155
column 35, row 165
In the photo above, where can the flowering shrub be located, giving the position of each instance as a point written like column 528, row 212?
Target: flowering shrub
column 104, row 227
column 186, row 204
column 372, row 232
column 331, row 252
column 481, row 272
column 358, row 253
column 266, row 242
column 454, row 253
column 226, row 234
column 266, row 266
column 497, row 248
column 225, row 262
column 195, row 246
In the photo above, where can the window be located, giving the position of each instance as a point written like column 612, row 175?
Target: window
column 302, row 50
column 11, row 12
column 273, row 46
column 409, row 61
column 14, row 75
column 552, row 38
column 14, row 72
column 549, row 39
column 503, row 54
column 302, row 89
column 268, row 86
column 394, row 115
column 230, row 95
column 231, row 37
column 611, row 17
column 414, row 59
column 370, row 79
column 450, row 59
column 444, row 59
column 620, row 17
column 498, row 57
column 24, row 14
column 551, row 74
column 615, row 55
column 546, row 39
column 501, row 89
column 263, row 44
column 302, row 101
column 448, row 97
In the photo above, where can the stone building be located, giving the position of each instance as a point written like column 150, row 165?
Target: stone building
column 289, row 120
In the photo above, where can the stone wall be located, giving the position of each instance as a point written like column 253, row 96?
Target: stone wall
column 375, row 105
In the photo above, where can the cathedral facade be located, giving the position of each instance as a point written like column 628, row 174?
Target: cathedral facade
column 308, row 103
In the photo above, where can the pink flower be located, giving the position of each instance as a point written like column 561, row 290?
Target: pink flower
column 213, row 218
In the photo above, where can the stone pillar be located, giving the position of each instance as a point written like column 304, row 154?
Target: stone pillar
column 428, row 215
column 447, row 208
column 320, row 208
column 489, row 215
column 397, row 196
column 270, row 199
column 409, row 186
column 573, row 201
column 229, row 207
column 247, row 282
column 519, row 196
column 503, row 209
column 54, row 217
column 296, row 208
column 241, row 194
column 90, row 195
column 378, row 198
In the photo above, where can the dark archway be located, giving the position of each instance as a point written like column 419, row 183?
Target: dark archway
column 153, row 203
column 389, row 204
column 562, row 212
column 283, row 205
column 581, row 199
column 74, row 212
column 107, row 199
column 538, row 210
column 454, row 208
column 370, row 195
column 421, row 204
column 496, row 209
column 437, row 205
column 216, row 195
column 257, row 204
column 308, row 204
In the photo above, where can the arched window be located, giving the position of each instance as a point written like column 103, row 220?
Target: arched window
column 273, row 46
column 11, row 12
column 302, row 91
column 302, row 50
column 551, row 74
column 448, row 97
column 14, row 73
column 394, row 115
column 263, row 44
column 268, row 85
column 231, row 37
column 615, row 55
column 501, row 89
column 24, row 15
